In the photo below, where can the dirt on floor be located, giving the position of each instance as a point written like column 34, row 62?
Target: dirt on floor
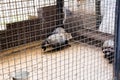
column 78, row 62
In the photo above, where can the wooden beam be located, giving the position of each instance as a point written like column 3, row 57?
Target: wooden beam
column 98, row 13
column 59, row 14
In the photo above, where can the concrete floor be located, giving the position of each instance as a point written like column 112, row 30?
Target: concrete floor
column 78, row 62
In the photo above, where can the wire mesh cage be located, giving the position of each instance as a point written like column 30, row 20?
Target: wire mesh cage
column 57, row 39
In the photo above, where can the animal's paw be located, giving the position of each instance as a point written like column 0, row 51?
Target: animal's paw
column 69, row 45
column 44, row 48
column 111, row 61
column 105, row 56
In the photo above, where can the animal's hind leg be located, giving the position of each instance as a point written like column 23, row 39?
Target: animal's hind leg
column 111, row 58
column 105, row 56
column 67, row 43
column 56, row 46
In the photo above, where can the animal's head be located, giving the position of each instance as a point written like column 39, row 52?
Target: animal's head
column 108, row 47
column 44, row 44
column 68, row 36
column 109, row 43
column 108, row 50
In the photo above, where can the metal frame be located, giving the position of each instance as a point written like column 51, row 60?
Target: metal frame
column 117, row 42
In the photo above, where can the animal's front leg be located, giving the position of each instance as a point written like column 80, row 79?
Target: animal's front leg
column 44, row 48
column 67, row 43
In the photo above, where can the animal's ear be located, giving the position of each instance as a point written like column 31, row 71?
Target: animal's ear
column 46, row 42
column 69, row 36
column 44, row 48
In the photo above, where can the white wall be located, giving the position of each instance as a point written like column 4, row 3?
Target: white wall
column 87, row 6
column 108, row 12
column 70, row 4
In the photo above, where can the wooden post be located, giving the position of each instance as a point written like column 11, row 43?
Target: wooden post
column 59, row 14
column 98, row 13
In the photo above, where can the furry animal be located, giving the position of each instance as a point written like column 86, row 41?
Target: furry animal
column 56, row 41
column 59, row 30
column 107, row 26
column 108, row 50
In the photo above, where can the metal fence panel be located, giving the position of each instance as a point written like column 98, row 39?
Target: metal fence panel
column 59, row 40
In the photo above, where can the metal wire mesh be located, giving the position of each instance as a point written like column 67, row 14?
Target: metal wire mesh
column 26, row 26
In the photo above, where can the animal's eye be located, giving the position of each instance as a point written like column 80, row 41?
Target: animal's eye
column 104, row 51
column 112, row 48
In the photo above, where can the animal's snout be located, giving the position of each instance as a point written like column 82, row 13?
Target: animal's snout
column 43, row 47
